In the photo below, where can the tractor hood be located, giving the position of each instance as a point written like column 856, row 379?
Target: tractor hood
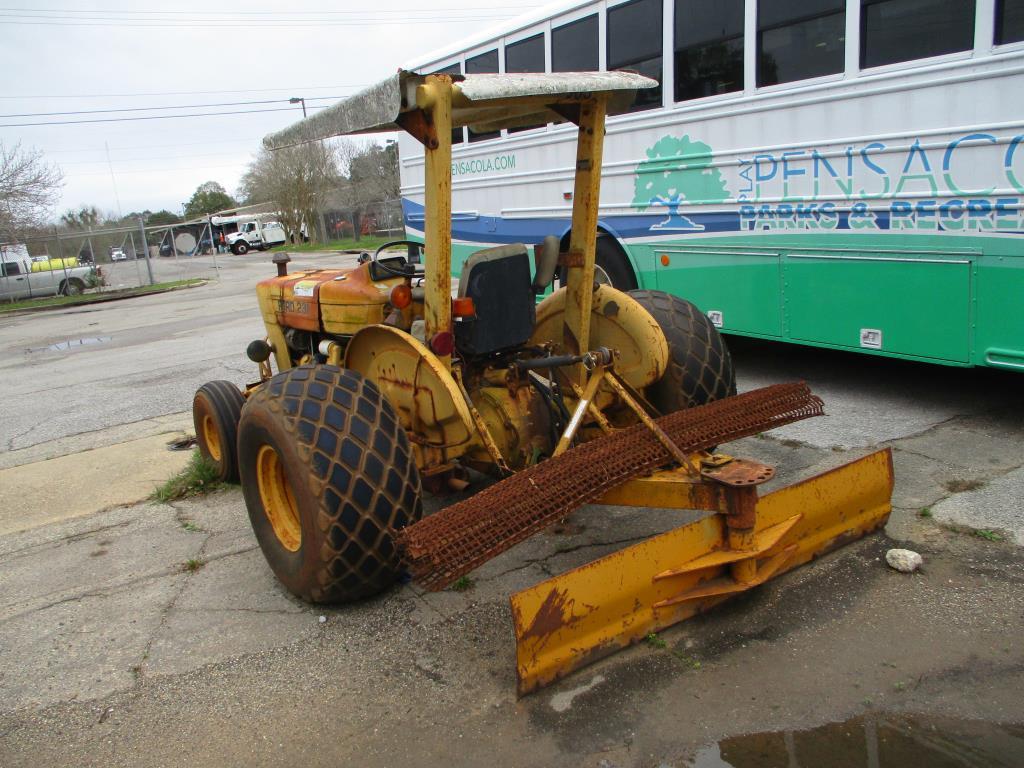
column 483, row 102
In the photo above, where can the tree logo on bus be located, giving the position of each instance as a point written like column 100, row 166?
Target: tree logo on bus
column 678, row 170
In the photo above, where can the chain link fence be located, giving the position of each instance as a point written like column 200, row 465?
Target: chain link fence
column 125, row 257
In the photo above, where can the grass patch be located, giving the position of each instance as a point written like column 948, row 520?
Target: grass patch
column 462, row 584
column 987, row 535
column 193, row 565
column 926, row 512
column 191, row 527
column 959, row 486
column 200, row 476
column 367, row 243
column 91, row 298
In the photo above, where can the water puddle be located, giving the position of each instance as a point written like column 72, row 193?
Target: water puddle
column 873, row 741
column 64, row 346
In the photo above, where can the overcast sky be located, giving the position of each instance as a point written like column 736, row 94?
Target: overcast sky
column 67, row 55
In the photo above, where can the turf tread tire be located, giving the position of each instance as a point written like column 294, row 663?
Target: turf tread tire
column 353, row 474
column 700, row 367
column 222, row 400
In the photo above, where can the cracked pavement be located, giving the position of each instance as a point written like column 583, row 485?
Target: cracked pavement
column 114, row 651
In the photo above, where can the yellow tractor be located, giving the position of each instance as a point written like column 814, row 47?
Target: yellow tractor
column 390, row 382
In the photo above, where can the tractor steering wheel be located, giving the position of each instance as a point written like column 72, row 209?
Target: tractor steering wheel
column 398, row 272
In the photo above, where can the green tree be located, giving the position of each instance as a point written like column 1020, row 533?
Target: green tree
column 162, row 217
column 209, row 197
column 678, row 170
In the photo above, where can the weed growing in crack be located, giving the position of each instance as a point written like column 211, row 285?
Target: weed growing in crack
column 926, row 512
column 188, row 525
column 200, row 476
column 654, row 641
column 689, row 661
column 987, row 535
column 192, row 565
column 463, row 583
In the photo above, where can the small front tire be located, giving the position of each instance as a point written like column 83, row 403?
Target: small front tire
column 216, row 410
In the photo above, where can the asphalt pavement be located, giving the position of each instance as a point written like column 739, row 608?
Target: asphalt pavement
column 152, row 634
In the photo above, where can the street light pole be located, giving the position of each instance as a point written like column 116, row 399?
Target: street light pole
column 299, row 100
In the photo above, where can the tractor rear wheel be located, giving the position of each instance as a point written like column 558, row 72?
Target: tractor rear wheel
column 699, row 365
column 216, row 409
column 328, row 476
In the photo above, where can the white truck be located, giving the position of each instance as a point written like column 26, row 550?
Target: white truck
column 21, row 278
column 256, row 235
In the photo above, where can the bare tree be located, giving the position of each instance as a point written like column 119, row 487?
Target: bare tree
column 28, row 189
column 296, row 179
column 372, row 172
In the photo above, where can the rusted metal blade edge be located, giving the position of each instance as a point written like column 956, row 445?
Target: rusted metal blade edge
column 571, row 620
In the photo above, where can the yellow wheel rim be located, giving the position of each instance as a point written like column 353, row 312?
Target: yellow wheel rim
column 212, row 438
column 278, row 501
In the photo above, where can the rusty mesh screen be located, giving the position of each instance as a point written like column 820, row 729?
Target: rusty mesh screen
column 441, row 548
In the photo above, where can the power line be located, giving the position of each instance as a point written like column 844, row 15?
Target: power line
column 184, row 93
column 153, row 109
column 55, row 21
column 136, row 11
column 149, row 117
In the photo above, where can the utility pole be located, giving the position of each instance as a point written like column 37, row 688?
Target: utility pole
column 145, row 249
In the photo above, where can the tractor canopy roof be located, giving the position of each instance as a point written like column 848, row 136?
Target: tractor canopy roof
column 483, row 102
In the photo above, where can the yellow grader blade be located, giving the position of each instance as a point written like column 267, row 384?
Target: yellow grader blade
column 569, row 621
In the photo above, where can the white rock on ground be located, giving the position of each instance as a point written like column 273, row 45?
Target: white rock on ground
column 904, row 560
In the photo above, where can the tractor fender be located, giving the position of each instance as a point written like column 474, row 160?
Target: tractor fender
column 617, row 321
column 420, row 388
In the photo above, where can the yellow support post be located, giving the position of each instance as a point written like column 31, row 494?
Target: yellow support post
column 579, row 262
column 435, row 99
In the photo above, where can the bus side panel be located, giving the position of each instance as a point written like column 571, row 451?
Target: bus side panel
column 1000, row 312
column 918, row 307
column 741, row 290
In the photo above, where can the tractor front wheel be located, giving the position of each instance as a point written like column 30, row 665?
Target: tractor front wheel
column 216, row 409
column 699, row 365
column 328, row 476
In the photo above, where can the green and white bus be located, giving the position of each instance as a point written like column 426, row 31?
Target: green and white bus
column 840, row 173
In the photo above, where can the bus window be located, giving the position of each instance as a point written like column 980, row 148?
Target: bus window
column 1009, row 21
column 798, row 39
column 708, row 47
column 453, row 69
column 902, row 30
column 483, row 64
column 525, row 56
column 574, row 46
column 633, row 44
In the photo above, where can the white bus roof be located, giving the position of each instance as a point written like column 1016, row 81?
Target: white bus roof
column 483, row 102
column 496, row 31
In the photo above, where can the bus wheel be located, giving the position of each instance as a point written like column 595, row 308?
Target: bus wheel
column 613, row 263
column 699, row 366
column 611, row 267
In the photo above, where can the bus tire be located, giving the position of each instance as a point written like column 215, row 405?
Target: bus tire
column 700, row 367
column 610, row 264
column 328, row 476
column 613, row 261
